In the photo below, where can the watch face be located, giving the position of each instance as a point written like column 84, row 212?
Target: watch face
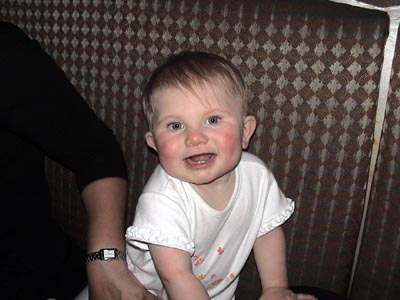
column 109, row 253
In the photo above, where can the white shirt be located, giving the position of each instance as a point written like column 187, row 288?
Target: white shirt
column 171, row 213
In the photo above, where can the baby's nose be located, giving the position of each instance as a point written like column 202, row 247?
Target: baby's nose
column 195, row 138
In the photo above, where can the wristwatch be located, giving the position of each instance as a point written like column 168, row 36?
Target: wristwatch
column 106, row 254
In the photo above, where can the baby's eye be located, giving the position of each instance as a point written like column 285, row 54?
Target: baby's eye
column 213, row 120
column 175, row 125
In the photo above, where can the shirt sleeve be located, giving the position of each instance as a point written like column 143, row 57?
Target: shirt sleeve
column 162, row 221
column 40, row 105
column 278, row 208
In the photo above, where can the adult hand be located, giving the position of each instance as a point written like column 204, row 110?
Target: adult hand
column 277, row 293
column 112, row 280
column 105, row 204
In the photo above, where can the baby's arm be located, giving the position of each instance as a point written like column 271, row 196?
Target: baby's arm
column 175, row 270
column 270, row 256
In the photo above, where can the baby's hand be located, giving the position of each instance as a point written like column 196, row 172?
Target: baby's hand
column 277, row 293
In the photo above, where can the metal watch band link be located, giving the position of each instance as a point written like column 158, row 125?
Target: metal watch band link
column 106, row 254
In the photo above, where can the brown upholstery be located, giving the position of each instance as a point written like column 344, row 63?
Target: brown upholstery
column 313, row 69
column 378, row 272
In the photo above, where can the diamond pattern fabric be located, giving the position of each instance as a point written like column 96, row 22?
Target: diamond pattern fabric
column 379, row 258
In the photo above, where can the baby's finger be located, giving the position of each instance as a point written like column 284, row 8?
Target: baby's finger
column 306, row 297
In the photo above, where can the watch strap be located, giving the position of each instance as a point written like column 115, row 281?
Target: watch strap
column 106, row 254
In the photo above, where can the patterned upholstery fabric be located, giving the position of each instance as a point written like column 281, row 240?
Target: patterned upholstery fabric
column 378, row 272
column 313, row 70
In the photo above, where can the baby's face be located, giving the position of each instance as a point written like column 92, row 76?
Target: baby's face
column 199, row 134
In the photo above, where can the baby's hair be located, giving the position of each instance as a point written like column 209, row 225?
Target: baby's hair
column 190, row 68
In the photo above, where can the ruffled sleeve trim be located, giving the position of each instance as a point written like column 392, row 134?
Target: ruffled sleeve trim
column 142, row 236
column 278, row 220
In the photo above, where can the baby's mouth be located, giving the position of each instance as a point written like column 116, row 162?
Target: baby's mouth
column 199, row 159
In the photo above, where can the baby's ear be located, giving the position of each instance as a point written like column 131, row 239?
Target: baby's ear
column 150, row 140
column 249, row 126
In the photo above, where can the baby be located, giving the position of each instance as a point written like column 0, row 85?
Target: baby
column 208, row 203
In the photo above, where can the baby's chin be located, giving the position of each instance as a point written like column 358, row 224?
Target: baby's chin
column 203, row 177
column 223, row 178
column 206, row 182
column 197, row 181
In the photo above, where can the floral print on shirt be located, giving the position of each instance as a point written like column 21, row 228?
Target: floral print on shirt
column 197, row 260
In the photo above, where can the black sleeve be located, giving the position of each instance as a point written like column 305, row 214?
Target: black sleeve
column 39, row 104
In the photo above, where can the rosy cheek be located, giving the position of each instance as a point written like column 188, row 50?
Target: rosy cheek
column 231, row 140
column 166, row 148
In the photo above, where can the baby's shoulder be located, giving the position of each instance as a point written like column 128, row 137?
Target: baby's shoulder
column 161, row 182
column 252, row 165
column 251, row 159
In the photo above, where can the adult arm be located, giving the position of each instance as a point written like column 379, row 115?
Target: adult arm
column 175, row 270
column 41, row 106
column 104, row 200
